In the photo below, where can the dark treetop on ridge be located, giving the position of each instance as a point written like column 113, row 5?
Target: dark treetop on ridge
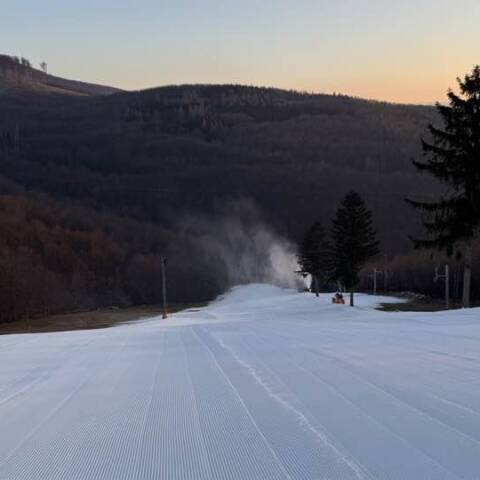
column 453, row 157
column 354, row 240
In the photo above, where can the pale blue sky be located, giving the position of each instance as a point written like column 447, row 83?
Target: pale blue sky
column 407, row 51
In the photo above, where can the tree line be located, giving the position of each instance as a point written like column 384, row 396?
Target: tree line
column 340, row 256
column 451, row 154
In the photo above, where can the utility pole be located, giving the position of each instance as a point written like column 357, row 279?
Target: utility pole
column 386, row 274
column 164, row 286
column 446, row 276
column 374, row 274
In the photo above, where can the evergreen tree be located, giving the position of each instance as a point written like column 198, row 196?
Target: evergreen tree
column 313, row 254
column 354, row 241
column 453, row 157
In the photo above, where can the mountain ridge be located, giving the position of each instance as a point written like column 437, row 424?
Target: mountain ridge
column 94, row 189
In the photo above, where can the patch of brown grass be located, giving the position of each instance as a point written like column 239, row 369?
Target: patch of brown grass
column 88, row 320
column 420, row 304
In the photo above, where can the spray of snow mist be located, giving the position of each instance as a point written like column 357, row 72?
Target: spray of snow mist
column 240, row 247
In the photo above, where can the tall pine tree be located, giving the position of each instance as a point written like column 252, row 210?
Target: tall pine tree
column 354, row 241
column 313, row 255
column 453, row 157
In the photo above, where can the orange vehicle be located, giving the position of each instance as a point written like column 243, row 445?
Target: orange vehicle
column 338, row 298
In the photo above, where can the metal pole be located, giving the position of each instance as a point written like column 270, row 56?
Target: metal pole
column 447, row 287
column 385, row 273
column 164, row 287
column 446, row 276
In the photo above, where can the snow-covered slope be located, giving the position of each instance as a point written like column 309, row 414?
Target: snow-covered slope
column 262, row 384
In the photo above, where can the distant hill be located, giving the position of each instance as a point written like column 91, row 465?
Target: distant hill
column 102, row 181
column 19, row 74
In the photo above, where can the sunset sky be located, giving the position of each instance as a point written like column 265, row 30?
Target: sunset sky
column 403, row 51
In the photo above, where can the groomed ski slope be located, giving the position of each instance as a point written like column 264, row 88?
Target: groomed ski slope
column 263, row 384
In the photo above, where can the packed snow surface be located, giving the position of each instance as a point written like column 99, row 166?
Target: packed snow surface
column 264, row 383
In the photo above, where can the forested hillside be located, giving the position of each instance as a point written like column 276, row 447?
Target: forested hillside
column 94, row 188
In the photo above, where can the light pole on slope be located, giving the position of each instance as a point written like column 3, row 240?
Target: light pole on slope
column 164, row 285
column 446, row 276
